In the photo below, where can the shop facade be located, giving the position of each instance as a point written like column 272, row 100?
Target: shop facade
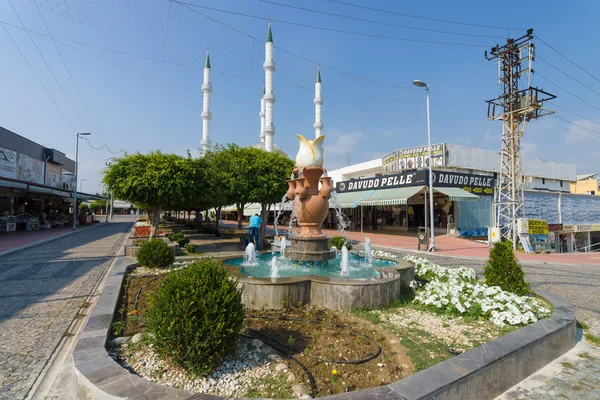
column 36, row 185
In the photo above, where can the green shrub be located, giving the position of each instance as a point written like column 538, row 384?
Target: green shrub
column 196, row 316
column 504, row 270
column 155, row 253
column 190, row 248
column 209, row 228
column 180, row 238
column 338, row 241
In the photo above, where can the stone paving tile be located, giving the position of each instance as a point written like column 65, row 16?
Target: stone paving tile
column 580, row 286
column 41, row 291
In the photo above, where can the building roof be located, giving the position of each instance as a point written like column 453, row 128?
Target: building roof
column 318, row 75
column 586, row 176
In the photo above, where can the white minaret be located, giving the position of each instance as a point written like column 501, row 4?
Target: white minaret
column 318, row 104
column 207, row 89
column 262, row 116
column 269, row 96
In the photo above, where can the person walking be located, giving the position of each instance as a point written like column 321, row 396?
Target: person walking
column 253, row 229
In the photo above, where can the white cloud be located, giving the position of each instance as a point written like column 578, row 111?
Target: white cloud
column 528, row 149
column 388, row 132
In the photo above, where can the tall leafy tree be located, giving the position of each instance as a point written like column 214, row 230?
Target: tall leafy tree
column 153, row 181
column 272, row 170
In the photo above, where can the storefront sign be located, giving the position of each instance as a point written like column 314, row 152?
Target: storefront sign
column 555, row 227
column 415, row 158
column 8, row 163
column 53, row 173
column 30, row 169
column 382, row 182
column 569, row 229
column 482, row 185
column 389, row 164
column 538, row 227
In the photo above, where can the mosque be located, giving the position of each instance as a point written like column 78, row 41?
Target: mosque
column 267, row 102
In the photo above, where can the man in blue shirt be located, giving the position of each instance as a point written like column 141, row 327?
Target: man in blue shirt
column 255, row 222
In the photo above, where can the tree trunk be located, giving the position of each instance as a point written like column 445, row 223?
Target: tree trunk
column 154, row 217
column 240, row 210
column 217, row 217
column 264, row 214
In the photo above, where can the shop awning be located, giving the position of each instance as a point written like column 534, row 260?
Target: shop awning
column 387, row 197
column 11, row 184
column 61, row 193
column 39, row 189
column 457, row 194
column 349, row 200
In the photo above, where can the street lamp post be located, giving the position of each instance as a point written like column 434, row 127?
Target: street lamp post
column 76, row 171
column 419, row 83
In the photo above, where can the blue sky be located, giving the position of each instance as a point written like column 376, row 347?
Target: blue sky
column 138, row 68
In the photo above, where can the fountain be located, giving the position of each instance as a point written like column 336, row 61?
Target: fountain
column 307, row 270
column 310, row 245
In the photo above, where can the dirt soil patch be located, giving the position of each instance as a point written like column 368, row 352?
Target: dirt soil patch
column 339, row 350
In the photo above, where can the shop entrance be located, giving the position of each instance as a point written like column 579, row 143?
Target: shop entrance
column 416, row 216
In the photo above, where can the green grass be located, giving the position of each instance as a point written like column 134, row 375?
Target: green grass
column 371, row 316
column 271, row 386
column 593, row 339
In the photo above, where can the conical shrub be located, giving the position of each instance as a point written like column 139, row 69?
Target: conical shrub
column 504, row 270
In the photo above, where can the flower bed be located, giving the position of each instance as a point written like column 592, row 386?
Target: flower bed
column 456, row 291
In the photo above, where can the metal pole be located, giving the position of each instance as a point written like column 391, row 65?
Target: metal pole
column 111, row 206
column 75, row 183
column 106, row 211
column 431, row 215
column 361, row 219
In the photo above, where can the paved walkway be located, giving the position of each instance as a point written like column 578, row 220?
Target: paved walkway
column 11, row 240
column 41, row 290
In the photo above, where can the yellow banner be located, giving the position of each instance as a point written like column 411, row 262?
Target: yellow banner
column 538, row 227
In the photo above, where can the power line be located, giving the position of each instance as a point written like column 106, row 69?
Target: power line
column 571, row 93
column 579, row 115
column 129, row 68
column 329, row 29
column 376, row 22
column 564, row 73
column 570, row 131
column 48, row 66
column 420, row 17
column 103, row 146
column 316, row 63
column 70, row 74
column 583, row 128
column 566, row 58
column 38, row 78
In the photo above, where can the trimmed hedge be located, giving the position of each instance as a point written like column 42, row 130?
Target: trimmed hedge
column 504, row 270
column 196, row 316
column 155, row 253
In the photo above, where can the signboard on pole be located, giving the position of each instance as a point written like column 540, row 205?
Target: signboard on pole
column 8, row 163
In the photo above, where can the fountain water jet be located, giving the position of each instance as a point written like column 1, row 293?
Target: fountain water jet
column 250, row 255
column 283, row 246
column 345, row 261
column 368, row 251
column 274, row 268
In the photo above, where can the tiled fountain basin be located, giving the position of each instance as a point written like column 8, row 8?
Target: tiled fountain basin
column 336, row 294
